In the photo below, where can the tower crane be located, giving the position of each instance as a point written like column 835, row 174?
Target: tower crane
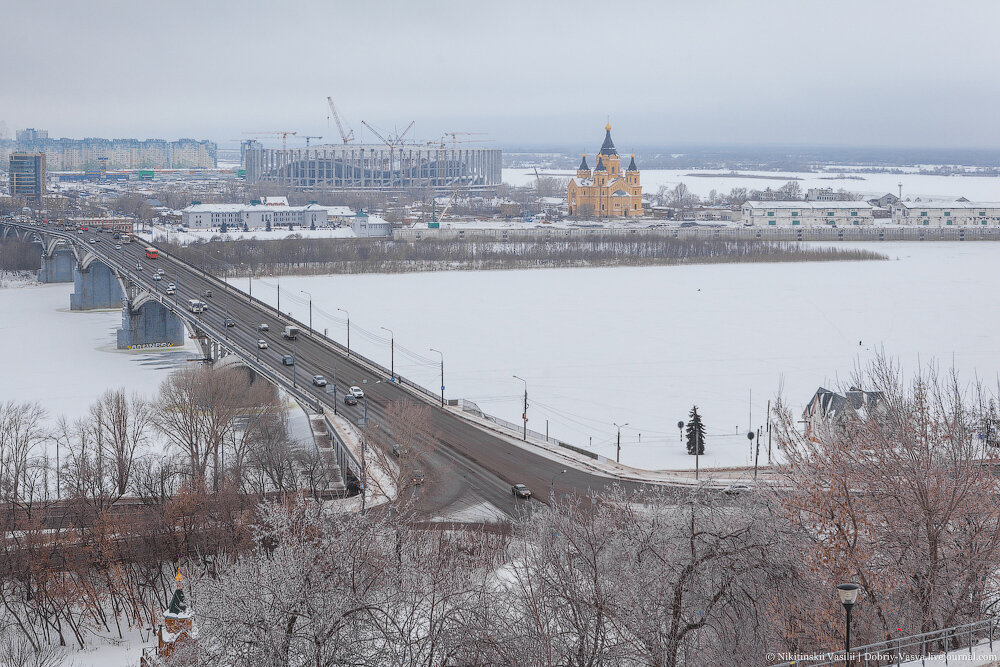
column 307, row 138
column 284, row 134
column 391, row 141
column 348, row 136
column 454, row 138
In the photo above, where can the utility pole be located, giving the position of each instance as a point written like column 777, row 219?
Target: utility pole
column 442, row 374
column 524, row 415
column 618, row 456
column 768, row 431
column 310, row 311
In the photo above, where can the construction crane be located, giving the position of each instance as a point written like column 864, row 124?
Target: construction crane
column 307, row 138
column 454, row 138
column 284, row 134
column 348, row 136
column 391, row 141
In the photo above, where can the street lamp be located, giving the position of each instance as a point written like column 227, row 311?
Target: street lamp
column 442, row 374
column 392, row 354
column 524, row 415
column 848, row 597
column 552, row 486
column 618, row 457
column 348, row 332
column 310, row 310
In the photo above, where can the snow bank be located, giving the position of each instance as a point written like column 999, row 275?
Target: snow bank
column 9, row 279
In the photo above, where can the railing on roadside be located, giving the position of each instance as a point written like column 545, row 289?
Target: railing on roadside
column 518, row 430
column 937, row 643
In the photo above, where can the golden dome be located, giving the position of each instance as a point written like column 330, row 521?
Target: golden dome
column 608, row 127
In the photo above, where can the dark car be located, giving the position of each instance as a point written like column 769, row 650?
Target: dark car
column 207, row 294
column 288, row 360
column 398, row 451
column 230, row 322
column 263, row 327
column 350, row 400
column 520, row 491
column 418, row 478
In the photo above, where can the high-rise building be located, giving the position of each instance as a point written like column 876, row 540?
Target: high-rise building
column 27, row 175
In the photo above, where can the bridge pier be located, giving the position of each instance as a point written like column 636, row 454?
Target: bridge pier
column 95, row 286
column 151, row 325
column 58, row 267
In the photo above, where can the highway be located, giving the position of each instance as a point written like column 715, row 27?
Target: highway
column 469, row 470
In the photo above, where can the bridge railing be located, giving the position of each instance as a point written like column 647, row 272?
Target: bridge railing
column 937, row 643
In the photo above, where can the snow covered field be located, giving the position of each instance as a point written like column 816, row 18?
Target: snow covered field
column 642, row 345
column 975, row 188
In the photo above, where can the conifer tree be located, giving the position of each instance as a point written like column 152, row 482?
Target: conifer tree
column 695, row 433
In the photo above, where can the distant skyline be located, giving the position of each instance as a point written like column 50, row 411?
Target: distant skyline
column 840, row 72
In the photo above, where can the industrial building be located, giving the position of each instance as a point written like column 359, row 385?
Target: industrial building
column 792, row 213
column 944, row 213
column 370, row 226
column 96, row 153
column 253, row 216
column 359, row 167
column 27, row 176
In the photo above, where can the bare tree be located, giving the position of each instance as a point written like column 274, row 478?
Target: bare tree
column 21, row 433
column 123, row 422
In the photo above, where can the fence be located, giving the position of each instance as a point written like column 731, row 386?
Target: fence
column 469, row 406
column 941, row 643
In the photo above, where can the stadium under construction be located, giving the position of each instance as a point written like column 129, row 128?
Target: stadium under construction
column 358, row 167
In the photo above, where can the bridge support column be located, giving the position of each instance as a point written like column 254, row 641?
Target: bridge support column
column 58, row 268
column 152, row 325
column 95, row 287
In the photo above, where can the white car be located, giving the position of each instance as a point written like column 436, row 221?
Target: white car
column 736, row 489
column 356, row 392
column 261, row 344
column 157, row 276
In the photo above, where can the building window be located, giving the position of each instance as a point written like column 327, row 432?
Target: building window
column 772, row 222
column 947, row 213
column 796, row 222
column 771, row 213
column 829, row 212
column 923, row 214
column 794, row 213
column 854, row 212
column 982, row 214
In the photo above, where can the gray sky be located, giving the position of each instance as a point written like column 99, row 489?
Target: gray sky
column 871, row 72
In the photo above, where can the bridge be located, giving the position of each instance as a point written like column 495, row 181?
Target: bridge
column 470, row 467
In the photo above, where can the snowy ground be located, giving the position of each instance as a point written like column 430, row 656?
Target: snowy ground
column 976, row 188
column 642, row 345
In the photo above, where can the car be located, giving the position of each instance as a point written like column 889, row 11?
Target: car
column 92, row 241
column 356, row 392
column 138, row 266
column 157, row 276
column 398, row 451
column 736, row 489
column 319, row 380
column 350, row 400
column 288, row 360
column 520, row 491
column 207, row 294
column 418, row 477
column 171, row 290
column 118, row 246
column 171, row 286
column 261, row 344
column 263, row 327
column 229, row 322
column 117, row 236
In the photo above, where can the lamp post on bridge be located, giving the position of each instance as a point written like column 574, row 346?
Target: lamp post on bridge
column 524, row 415
column 392, row 354
column 442, row 374
column 310, row 311
column 348, row 332
column 552, row 486
column 618, row 456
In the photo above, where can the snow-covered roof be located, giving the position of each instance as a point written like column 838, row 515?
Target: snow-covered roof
column 814, row 205
column 946, row 205
column 338, row 211
column 240, row 208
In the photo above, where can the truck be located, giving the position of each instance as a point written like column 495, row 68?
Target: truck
column 196, row 306
column 291, row 333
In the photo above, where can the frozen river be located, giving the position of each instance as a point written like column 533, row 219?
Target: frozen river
column 642, row 345
column 596, row 346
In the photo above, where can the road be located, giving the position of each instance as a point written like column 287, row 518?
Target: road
column 469, row 470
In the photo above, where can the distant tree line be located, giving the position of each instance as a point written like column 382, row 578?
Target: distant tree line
column 324, row 256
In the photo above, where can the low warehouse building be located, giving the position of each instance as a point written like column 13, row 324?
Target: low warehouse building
column 807, row 213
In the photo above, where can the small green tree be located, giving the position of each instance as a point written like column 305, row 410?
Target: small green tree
column 695, row 433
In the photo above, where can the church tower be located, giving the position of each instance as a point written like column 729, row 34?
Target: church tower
column 583, row 171
column 607, row 192
column 177, row 628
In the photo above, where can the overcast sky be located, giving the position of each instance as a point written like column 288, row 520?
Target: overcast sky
column 845, row 72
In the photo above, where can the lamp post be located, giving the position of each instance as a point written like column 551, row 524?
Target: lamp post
column 392, row 354
column 310, row 310
column 680, row 430
column 552, row 486
column 293, row 362
column 848, row 597
column 442, row 374
column 618, row 456
column 348, row 332
column 524, row 415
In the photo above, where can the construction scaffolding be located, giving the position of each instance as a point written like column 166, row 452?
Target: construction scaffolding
column 354, row 167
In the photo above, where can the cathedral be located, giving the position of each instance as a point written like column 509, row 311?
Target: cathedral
column 607, row 192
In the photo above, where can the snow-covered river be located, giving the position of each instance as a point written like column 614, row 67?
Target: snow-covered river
column 596, row 346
